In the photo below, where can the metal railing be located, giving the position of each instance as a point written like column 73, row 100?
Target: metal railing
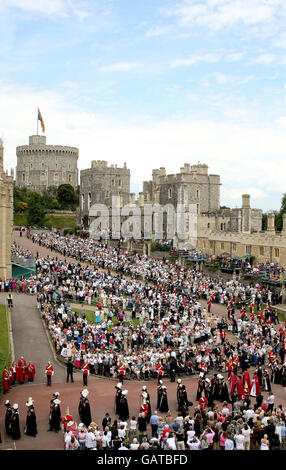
column 25, row 262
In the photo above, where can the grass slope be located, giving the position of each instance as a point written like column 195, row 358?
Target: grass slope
column 5, row 358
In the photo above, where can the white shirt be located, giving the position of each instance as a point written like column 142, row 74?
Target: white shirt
column 239, row 440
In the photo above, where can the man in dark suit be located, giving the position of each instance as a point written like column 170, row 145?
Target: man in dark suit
column 69, row 370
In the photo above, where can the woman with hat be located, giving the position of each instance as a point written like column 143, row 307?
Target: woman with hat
column 31, row 423
column 15, row 432
column 84, row 408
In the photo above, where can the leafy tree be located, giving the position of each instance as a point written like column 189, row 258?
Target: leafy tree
column 36, row 213
column 66, row 196
column 279, row 216
column 264, row 222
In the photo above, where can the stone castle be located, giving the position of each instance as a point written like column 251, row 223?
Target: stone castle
column 40, row 165
column 100, row 183
column 6, row 218
column 236, row 232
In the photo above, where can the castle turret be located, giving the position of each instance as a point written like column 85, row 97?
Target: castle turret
column 246, row 214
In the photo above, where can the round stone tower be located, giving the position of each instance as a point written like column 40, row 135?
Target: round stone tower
column 40, row 165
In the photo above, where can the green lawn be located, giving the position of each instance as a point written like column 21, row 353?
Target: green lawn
column 90, row 316
column 4, row 342
column 52, row 220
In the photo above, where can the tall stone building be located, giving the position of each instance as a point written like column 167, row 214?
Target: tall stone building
column 100, row 183
column 40, row 165
column 193, row 185
column 6, row 219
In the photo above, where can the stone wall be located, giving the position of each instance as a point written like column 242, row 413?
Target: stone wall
column 6, row 218
column 263, row 246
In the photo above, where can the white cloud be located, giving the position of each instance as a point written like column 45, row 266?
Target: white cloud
column 158, row 31
column 264, row 59
column 280, row 41
column 234, row 57
column 221, row 14
column 46, row 7
column 192, row 60
column 120, row 67
column 224, row 79
column 245, row 155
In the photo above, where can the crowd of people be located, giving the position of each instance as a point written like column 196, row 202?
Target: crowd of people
column 165, row 325
column 21, row 252
column 172, row 327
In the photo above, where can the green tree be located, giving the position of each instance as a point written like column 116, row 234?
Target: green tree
column 36, row 211
column 66, row 196
column 264, row 222
column 279, row 216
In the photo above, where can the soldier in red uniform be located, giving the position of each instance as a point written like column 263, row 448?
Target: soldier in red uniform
column 121, row 371
column 230, row 367
column 66, row 419
column 5, row 379
column 222, row 336
column 203, row 367
column 159, row 370
column 85, row 372
column 203, row 401
column 31, row 371
column 49, row 372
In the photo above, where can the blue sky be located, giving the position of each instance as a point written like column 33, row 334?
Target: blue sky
column 153, row 84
